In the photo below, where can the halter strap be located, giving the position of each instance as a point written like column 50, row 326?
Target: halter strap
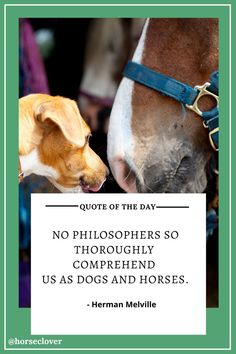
column 181, row 92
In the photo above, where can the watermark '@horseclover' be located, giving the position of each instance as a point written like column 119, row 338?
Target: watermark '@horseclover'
column 40, row 341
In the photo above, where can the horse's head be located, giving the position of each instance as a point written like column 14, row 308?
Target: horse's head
column 155, row 143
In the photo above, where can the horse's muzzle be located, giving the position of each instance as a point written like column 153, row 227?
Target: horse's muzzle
column 124, row 175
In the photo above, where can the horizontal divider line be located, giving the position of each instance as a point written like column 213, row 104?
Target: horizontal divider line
column 173, row 206
column 76, row 206
column 61, row 206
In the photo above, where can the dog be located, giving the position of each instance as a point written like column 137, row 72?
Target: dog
column 54, row 142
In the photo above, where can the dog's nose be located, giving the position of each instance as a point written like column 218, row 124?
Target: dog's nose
column 88, row 186
column 92, row 188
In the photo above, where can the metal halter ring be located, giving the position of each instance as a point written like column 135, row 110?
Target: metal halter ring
column 211, row 140
column 202, row 92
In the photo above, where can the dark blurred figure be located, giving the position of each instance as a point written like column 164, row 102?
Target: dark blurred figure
column 212, row 192
column 98, row 143
column 64, row 65
column 32, row 79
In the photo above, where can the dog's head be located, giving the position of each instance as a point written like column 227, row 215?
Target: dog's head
column 62, row 147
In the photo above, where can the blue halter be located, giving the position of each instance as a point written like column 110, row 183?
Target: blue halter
column 181, row 92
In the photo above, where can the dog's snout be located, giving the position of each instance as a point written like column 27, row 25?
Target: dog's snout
column 94, row 181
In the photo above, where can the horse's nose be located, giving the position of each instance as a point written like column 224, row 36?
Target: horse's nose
column 124, row 175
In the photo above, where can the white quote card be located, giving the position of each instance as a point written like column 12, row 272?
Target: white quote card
column 118, row 264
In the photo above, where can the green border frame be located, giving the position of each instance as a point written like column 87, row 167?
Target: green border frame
column 17, row 321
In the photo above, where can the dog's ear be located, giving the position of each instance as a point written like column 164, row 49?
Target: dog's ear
column 65, row 114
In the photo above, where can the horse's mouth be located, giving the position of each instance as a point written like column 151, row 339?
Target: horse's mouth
column 182, row 177
column 186, row 175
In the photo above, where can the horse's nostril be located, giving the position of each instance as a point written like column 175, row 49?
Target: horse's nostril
column 124, row 175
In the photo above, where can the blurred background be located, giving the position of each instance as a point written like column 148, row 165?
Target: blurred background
column 83, row 59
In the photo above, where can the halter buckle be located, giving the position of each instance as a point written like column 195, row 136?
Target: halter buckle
column 211, row 140
column 202, row 92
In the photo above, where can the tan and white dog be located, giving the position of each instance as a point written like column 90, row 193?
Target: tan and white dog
column 54, row 142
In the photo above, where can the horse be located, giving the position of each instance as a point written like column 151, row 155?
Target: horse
column 156, row 143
